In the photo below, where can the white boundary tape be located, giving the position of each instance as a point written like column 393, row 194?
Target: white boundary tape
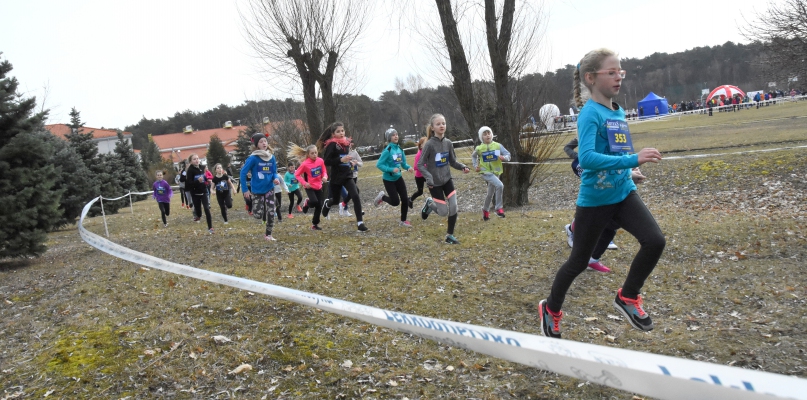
column 654, row 375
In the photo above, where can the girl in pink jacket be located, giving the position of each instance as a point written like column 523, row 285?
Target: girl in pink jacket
column 311, row 174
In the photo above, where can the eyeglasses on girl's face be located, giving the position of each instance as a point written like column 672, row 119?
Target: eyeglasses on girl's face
column 612, row 73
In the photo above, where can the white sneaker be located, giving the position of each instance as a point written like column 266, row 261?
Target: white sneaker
column 612, row 246
column 347, row 213
column 379, row 199
column 569, row 235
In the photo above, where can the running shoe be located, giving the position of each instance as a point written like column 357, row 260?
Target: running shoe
column 598, row 266
column 379, row 199
column 569, row 235
column 500, row 213
column 226, row 223
column 363, row 228
column 325, row 209
column 210, row 231
column 165, row 225
column 550, row 323
column 450, row 239
column 485, row 215
column 300, row 209
column 426, row 210
column 290, row 216
column 196, row 219
column 632, row 310
column 315, row 228
column 405, row 224
column 612, row 246
column 269, row 238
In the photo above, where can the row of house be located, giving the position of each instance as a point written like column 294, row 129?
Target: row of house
column 176, row 147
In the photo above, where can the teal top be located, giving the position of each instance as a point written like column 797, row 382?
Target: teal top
column 392, row 157
column 606, row 177
column 291, row 182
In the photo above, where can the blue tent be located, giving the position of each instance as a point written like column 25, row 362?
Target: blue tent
column 647, row 106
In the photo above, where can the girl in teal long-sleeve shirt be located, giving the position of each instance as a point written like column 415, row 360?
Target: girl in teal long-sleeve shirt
column 607, row 193
column 392, row 162
column 294, row 189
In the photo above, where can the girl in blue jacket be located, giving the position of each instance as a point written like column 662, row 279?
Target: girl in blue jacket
column 392, row 161
column 263, row 166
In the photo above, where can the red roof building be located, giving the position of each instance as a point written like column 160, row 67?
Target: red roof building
column 105, row 138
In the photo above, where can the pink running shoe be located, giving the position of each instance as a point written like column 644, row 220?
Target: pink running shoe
column 599, row 267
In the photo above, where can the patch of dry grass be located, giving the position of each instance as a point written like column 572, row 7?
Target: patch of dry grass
column 729, row 289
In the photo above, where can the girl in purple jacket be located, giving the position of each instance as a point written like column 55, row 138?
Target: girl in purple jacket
column 162, row 193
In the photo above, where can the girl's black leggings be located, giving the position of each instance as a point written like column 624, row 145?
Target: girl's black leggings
column 315, row 200
column 358, row 192
column 352, row 193
column 634, row 217
column 396, row 194
column 225, row 202
column 296, row 192
column 201, row 201
column 165, row 210
column 420, row 182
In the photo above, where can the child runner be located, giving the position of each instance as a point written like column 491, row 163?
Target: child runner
column 293, row 186
column 419, row 179
column 392, row 161
column 224, row 187
column 311, row 174
column 180, row 180
column 247, row 201
column 187, row 191
column 492, row 154
column 263, row 166
column 356, row 163
column 336, row 155
column 279, row 198
column 163, row 194
column 197, row 185
column 607, row 193
column 610, row 230
column 438, row 154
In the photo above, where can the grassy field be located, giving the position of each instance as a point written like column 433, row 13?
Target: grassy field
column 729, row 289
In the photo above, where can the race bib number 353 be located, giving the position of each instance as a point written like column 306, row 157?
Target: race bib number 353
column 619, row 136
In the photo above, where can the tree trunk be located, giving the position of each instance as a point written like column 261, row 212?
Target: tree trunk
column 303, row 62
column 516, row 177
column 459, row 63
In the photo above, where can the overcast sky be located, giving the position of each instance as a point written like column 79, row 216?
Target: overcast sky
column 117, row 61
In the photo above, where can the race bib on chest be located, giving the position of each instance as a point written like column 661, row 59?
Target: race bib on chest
column 341, row 156
column 222, row 186
column 160, row 190
column 618, row 136
column 490, row 156
column 397, row 158
column 441, row 159
column 294, row 181
column 316, row 172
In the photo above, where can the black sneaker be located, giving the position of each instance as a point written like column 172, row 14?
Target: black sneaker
column 550, row 324
column 325, row 208
column 450, row 239
column 633, row 311
column 500, row 213
column 363, row 228
column 315, row 228
column 426, row 210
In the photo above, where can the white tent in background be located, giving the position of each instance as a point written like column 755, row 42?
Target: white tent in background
column 547, row 113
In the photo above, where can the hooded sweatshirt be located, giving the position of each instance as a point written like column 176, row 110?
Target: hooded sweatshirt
column 436, row 156
column 264, row 172
column 162, row 191
column 192, row 183
column 392, row 157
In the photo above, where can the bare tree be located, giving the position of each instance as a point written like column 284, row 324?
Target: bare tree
column 511, row 37
column 306, row 42
column 782, row 32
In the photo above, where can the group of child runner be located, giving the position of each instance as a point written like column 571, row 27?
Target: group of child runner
column 606, row 165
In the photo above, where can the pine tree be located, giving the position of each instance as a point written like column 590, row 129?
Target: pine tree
column 130, row 167
column 15, row 112
column 216, row 153
column 243, row 148
column 30, row 204
column 150, row 155
column 75, row 179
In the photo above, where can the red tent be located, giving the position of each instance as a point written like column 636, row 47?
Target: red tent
column 725, row 91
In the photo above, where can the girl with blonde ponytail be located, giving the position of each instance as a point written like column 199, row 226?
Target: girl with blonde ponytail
column 607, row 192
